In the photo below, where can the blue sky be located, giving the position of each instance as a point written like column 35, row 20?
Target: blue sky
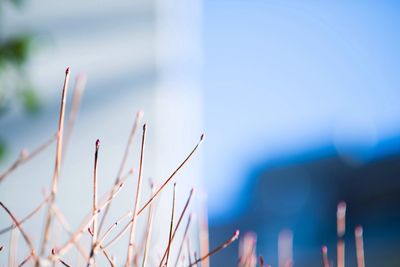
column 283, row 78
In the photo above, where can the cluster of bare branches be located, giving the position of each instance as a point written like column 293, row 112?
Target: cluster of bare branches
column 248, row 255
column 137, row 254
column 94, row 222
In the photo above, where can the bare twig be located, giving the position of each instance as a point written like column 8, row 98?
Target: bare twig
column 24, row 235
column 63, row 221
column 183, row 239
column 204, row 242
column 59, row 259
column 103, row 250
column 94, row 210
column 325, row 259
column 123, row 231
column 261, row 261
column 220, row 247
column 137, row 122
column 136, row 204
column 26, row 259
column 54, row 186
column 79, row 88
column 25, row 156
column 170, row 226
column 341, row 228
column 13, row 250
column 27, row 217
column 358, row 232
column 86, row 222
column 148, row 231
column 177, row 224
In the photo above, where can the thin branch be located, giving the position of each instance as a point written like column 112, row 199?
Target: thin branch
column 204, row 235
column 325, row 259
column 123, row 231
column 79, row 88
column 220, row 247
column 138, row 119
column 27, row 217
column 171, row 226
column 54, row 186
column 136, row 205
column 183, row 239
column 148, row 231
column 24, row 235
column 94, row 210
column 59, row 259
column 341, row 228
column 358, row 233
column 261, row 261
column 13, row 250
column 103, row 250
column 178, row 223
column 61, row 218
column 86, row 222
column 25, row 156
column 26, row 259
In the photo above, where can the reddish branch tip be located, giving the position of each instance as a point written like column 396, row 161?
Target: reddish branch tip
column 358, row 231
column 192, row 191
column 1, row 248
column 341, row 209
column 97, row 144
column 261, row 261
column 324, row 249
column 236, row 235
column 67, row 71
column 202, row 138
column 53, row 251
column 24, row 153
column 144, row 127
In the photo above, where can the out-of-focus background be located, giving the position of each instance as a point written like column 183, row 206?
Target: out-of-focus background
column 298, row 100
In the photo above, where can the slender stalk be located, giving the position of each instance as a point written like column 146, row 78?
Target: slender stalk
column 26, row 260
column 220, row 247
column 27, row 217
column 123, row 231
column 325, row 259
column 25, row 156
column 79, row 88
column 261, row 261
column 183, row 239
column 358, row 232
column 24, row 234
column 138, row 120
column 13, row 250
column 170, row 226
column 341, row 229
column 100, row 242
column 136, row 204
column 86, row 222
column 103, row 250
column 204, row 242
column 54, row 186
column 178, row 223
column 148, row 231
column 94, row 210
column 59, row 259
column 67, row 228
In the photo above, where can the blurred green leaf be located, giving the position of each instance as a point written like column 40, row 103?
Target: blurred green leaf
column 3, row 149
column 15, row 50
column 30, row 101
column 17, row 3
